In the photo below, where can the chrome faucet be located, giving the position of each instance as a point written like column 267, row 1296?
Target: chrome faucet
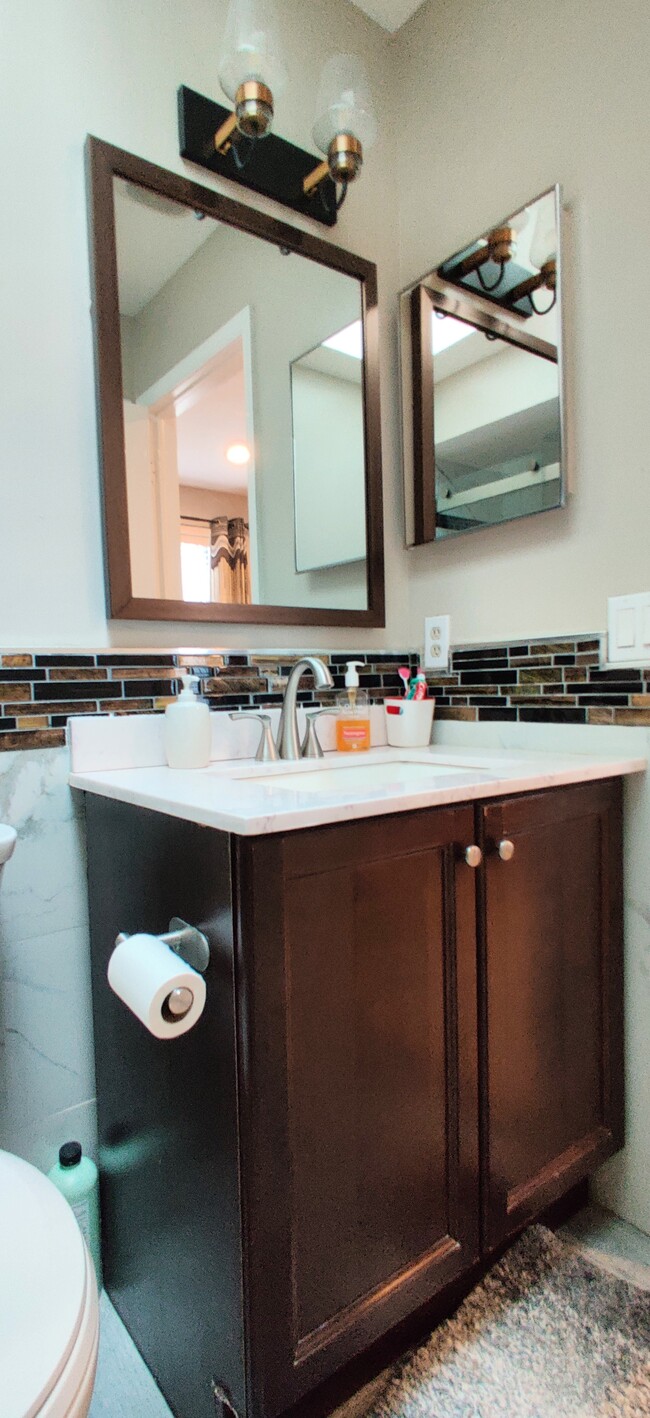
column 288, row 740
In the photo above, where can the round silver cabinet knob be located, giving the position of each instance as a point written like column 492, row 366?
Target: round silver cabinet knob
column 473, row 856
column 180, row 1002
column 506, row 849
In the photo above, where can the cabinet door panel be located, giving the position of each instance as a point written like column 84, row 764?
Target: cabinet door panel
column 373, row 1093
column 551, row 1003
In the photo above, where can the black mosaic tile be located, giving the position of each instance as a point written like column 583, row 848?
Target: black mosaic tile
column 507, row 716
column 25, row 675
column 491, row 677
column 137, row 688
column 462, row 656
column 64, row 660
column 554, row 715
column 137, row 659
column 623, row 676
column 516, row 652
column 6, row 723
column 236, row 659
column 593, row 700
column 564, row 659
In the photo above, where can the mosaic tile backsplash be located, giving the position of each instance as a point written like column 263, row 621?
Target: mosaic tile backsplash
column 552, row 681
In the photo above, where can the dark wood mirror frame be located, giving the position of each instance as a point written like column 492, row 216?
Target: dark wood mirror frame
column 424, row 298
column 104, row 163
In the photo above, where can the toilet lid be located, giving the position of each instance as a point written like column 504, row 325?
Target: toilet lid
column 42, row 1285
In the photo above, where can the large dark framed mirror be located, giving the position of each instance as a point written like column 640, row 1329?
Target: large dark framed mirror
column 231, row 352
column 482, row 380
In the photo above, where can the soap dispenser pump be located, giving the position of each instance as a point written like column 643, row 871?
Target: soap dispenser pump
column 188, row 729
column 353, row 720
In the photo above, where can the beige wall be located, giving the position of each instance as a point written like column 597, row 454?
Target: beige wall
column 500, row 100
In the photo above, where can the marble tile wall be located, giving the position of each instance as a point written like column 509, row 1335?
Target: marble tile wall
column 47, row 1087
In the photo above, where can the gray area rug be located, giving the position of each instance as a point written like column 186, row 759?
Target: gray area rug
column 546, row 1334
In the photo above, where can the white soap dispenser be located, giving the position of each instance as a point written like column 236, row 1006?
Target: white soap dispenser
column 188, row 730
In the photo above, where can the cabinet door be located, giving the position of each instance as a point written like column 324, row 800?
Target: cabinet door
column 358, row 1086
column 550, row 985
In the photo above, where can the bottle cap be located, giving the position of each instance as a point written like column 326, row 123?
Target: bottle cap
column 70, row 1154
column 351, row 676
column 186, row 683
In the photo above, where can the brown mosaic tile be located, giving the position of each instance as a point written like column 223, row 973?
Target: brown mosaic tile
column 468, row 713
column 590, row 658
column 519, row 691
column 632, row 716
column 40, row 738
column 16, row 662
column 235, row 684
column 528, row 661
column 56, row 706
column 553, row 647
column 589, row 645
column 140, row 672
column 602, row 715
column 162, row 703
column 83, row 672
column 640, row 701
column 128, row 706
column 541, row 676
column 15, row 691
column 32, row 721
column 212, row 661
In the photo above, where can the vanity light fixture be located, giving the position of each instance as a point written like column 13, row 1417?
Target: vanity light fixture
column 543, row 254
column 499, row 246
column 252, row 75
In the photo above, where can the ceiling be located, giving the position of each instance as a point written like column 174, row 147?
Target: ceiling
column 391, row 14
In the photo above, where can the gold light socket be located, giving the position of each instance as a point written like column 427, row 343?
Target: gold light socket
column 344, row 157
column 254, row 109
column 502, row 244
column 548, row 272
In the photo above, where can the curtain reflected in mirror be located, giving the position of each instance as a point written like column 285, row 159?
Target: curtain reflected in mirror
column 244, row 454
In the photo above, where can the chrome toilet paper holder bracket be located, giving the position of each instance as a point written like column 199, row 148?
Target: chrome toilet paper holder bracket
column 188, row 942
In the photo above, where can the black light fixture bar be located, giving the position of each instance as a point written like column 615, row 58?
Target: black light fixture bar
column 270, row 166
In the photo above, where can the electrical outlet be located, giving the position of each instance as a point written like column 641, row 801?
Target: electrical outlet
column 436, row 642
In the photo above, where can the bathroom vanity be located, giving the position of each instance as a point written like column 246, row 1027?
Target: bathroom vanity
column 412, row 1045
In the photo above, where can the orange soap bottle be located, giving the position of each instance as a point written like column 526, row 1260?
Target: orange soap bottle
column 353, row 719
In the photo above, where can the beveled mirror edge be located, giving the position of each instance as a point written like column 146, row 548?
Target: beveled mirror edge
column 416, row 371
column 104, row 162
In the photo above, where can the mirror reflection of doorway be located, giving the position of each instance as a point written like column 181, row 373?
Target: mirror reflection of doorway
column 190, row 455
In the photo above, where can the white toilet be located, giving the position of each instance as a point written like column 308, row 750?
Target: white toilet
column 49, row 1316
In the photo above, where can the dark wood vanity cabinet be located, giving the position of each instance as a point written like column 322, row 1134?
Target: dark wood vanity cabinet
column 360, row 1169
column 551, row 997
column 402, row 1061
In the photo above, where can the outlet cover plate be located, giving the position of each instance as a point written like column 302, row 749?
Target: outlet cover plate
column 437, row 629
column 628, row 629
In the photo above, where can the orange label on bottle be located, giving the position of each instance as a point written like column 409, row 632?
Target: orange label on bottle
column 352, row 735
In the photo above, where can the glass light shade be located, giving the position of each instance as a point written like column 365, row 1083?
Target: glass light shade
column 520, row 221
column 544, row 243
column 251, row 48
column 344, row 103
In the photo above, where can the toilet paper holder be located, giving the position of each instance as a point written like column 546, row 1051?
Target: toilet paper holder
column 186, row 941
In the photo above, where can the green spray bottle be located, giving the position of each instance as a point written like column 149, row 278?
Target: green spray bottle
column 75, row 1176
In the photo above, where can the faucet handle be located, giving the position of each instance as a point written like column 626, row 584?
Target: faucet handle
column 267, row 751
column 311, row 747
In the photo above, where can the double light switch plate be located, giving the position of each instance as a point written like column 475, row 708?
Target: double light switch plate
column 628, row 629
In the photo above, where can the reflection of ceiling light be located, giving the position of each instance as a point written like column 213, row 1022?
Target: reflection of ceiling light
column 446, row 332
column 348, row 341
column 238, row 453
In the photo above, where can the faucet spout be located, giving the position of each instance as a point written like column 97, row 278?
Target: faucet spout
column 288, row 740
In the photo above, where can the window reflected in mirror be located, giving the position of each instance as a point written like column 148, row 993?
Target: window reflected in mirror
column 243, row 417
column 481, row 375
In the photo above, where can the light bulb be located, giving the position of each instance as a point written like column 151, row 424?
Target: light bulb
column 252, row 55
column 238, row 453
column 344, row 103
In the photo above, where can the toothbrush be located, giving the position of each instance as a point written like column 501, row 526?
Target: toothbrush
column 405, row 675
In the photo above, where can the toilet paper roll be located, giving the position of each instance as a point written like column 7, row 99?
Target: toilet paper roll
column 143, row 971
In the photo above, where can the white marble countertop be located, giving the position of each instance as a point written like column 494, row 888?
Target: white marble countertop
column 248, row 798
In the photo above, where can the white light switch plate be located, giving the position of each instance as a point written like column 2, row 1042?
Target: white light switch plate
column 628, row 629
column 436, row 642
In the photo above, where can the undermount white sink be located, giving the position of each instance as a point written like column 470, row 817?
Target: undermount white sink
column 343, row 777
